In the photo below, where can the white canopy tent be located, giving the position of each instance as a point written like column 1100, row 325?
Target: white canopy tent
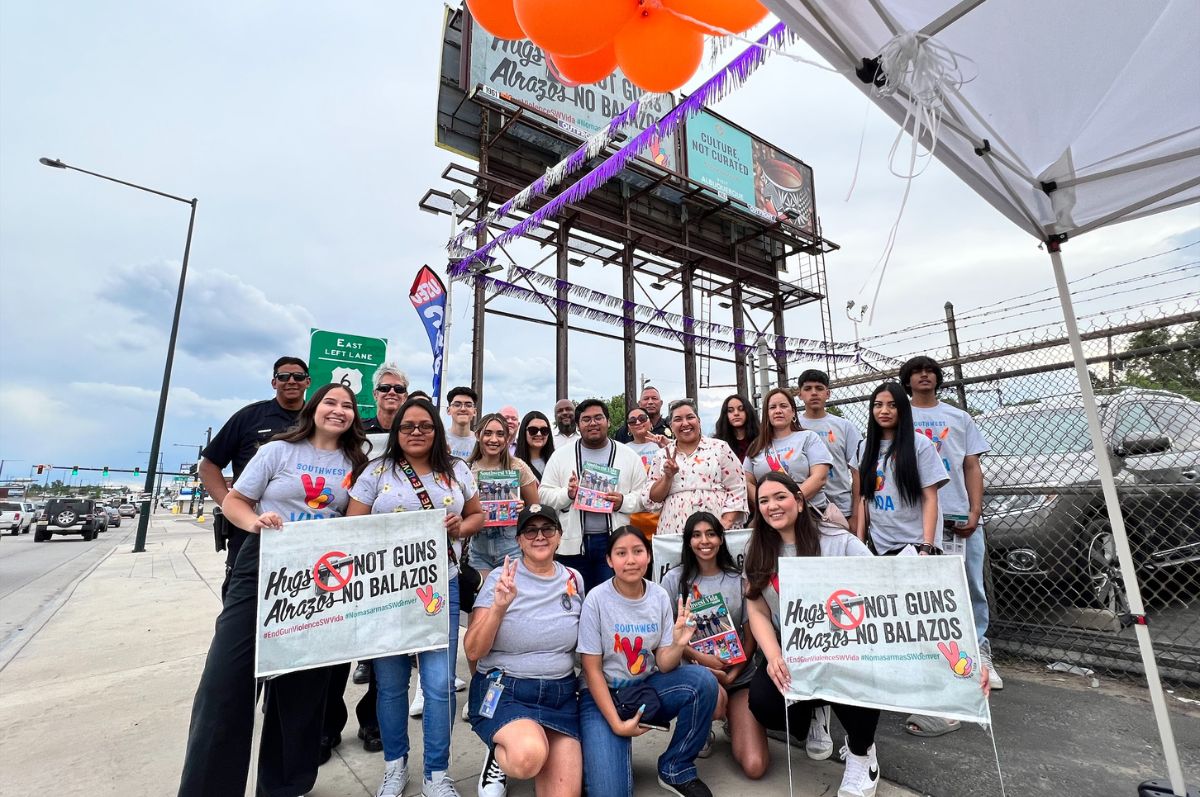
column 1076, row 114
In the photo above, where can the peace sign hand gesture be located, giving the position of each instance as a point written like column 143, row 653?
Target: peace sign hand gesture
column 506, row 587
column 685, row 623
column 670, row 466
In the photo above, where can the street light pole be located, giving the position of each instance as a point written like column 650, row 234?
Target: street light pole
column 139, row 544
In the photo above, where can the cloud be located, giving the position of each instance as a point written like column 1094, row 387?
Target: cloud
column 223, row 316
column 182, row 402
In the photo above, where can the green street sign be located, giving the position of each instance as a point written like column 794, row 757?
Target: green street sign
column 350, row 360
column 180, row 479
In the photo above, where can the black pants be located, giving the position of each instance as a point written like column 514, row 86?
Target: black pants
column 217, row 760
column 233, row 544
column 768, row 707
column 335, row 703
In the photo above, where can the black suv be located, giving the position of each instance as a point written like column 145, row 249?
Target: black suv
column 72, row 516
column 1043, row 507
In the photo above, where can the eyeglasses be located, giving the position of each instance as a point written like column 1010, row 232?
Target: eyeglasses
column 638, row 418
column 591, row 420
column 286, row 375
column 538, row 431
column 385, row 389
column 462, row 405
column 532, row 532
column 413, row 428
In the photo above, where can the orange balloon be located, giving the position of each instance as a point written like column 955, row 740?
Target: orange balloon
column 497, row 18
column 658, row 52
column 573, row 27
column 574, row 70
column 735, row 16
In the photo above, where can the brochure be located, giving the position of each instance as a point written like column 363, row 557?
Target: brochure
column 594, row 482
column 500, row 494
column 715, row 634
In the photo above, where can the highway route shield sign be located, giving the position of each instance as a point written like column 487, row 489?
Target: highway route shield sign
column 350, row 360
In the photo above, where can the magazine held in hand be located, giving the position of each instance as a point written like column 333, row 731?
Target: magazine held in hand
column 715, row 634
column 500, row 494
column 594, row 482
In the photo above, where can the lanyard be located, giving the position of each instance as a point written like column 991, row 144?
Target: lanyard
column 423, row 496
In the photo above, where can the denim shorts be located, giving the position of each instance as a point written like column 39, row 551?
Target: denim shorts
column 551, row 703
column 491, row 545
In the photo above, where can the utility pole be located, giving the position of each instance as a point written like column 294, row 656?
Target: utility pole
column 958, row 374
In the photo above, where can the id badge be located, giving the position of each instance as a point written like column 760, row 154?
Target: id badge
column 491, row 699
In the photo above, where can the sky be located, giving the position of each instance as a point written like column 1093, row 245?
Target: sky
column 306, row 132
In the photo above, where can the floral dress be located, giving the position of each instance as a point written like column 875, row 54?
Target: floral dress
column 710, row 479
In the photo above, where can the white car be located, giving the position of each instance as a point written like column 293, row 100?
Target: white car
column 13, row 518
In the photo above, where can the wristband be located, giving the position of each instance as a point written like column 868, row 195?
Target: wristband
column 929, row 548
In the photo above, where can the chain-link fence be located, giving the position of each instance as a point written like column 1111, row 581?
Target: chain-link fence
column 1053, row 575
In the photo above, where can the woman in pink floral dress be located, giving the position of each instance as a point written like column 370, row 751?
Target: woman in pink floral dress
column 694, row 474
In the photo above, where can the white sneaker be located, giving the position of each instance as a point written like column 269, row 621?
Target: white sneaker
column 395, row 778
column 466, row 712
column 459, row 684
column 439, row 785
column 819, row 744
column 994, row 679
column 492, row 780
column 862, row 774
column 418, row 705
column 706, row 750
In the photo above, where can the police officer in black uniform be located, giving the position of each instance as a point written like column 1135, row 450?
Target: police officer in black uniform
column 240, row 437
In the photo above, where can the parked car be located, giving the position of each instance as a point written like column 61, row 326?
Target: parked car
column 81, row 516
column 114, row 517
column 127, row 510
column 13, row 518
column 1044, row 511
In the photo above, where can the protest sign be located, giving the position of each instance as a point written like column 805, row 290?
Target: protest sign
column 669, row 548
column 894, row 633
column 344, row 589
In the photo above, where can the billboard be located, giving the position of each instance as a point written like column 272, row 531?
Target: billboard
column 740, row 166
column 519, row 72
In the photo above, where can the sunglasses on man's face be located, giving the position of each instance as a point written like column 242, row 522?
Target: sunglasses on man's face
column 538, row 431
column 283, row 377
column 400, row 389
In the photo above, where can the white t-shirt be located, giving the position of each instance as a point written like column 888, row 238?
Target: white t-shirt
column 298, row 481
column 646, row 451
column 794, row 455
column 841, row 438
column 955, row 437
column 893, row 521
column 564, row 440
column 384, row 487
column 461, row 446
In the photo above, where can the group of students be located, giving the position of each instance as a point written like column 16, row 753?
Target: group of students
column 573, row 652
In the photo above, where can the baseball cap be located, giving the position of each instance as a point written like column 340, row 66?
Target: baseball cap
column 537, row 510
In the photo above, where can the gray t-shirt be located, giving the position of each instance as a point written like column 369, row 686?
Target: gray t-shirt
column 834, row 541
column 893, row 522
column 595, row 522
column 537, row 637
column 841, row 438
column 385, row 488
column 297, row 480
column 732, row 589
column 460, row 446
column 955, row 437
column 625, row 632
column 794, row 455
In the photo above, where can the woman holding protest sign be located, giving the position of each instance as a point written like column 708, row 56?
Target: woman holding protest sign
column 737, row 424
column 899, row 476
column 303, row 474
column 631, row 647
column 785, row 526
column 783, row 446
column 708, row 575
column 417, row 472
column 535, row 441
column 505, row 485
column 523, row 631
column 694, row 474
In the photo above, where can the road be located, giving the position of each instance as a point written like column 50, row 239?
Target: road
column 34, row 577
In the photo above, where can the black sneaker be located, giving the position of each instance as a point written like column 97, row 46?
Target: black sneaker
column 362, row 673
column 693, row 788
column 372, row 741
column 493, row 782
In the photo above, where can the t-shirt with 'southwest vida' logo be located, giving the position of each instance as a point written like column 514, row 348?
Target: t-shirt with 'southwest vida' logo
column 298, row 481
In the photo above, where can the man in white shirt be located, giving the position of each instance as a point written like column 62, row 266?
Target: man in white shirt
column 565, row 431
column 461, row 405
column 839, row 435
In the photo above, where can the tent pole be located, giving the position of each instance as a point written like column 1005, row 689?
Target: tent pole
column 1117, row 522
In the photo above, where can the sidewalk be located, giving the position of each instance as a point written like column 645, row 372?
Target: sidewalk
column 97, row 702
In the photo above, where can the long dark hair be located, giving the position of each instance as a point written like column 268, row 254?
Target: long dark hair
column 439, row 453
column 765, row 433
column 762, row 551
column 903, row 451
column 723, row 431
column 477, row 452
column 688, row 563
column 351, row 441
column 523, row 440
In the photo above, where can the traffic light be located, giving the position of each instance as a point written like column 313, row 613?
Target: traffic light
column 41, row 469
column 137, row 471
column 74, row 470
column 104, row 472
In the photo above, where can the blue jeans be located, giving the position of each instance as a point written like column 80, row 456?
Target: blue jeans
column 974, row 562
column 436, row 669
column 592, row 564
column 688, row 694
